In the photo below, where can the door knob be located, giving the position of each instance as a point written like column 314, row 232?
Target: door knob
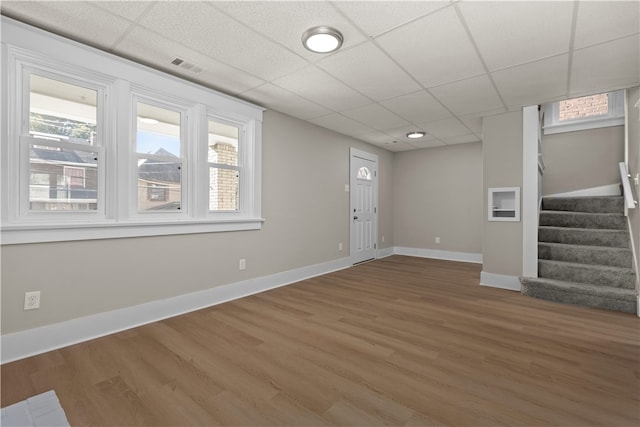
column 355, row 218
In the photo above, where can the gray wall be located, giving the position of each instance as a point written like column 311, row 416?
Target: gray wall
column 502, row 167
column 582, row 159
column 634, row 168
column 438, row 193
column 305, row 168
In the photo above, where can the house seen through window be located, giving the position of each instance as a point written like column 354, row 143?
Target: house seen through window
column 62, row 165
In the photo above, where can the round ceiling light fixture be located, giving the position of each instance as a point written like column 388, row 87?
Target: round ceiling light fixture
column 415, row 134
column 148, row 120
column 322, row 39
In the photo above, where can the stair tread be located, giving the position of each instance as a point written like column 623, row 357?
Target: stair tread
column 612, row 214
column 581, row 287
column 589, row 266
column 586, row 247
column 582, row 229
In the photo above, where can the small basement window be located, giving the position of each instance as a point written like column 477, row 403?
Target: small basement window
column 585, row 112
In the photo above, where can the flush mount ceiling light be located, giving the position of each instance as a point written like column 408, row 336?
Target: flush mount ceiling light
column 148, row 120
column 415, row 134
column 322, row 39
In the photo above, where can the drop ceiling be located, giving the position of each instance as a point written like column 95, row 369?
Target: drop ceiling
column 436, row 66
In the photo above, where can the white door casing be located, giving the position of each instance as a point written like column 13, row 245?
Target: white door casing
column 363, row 206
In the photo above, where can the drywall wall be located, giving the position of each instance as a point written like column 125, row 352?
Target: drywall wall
column 438, row 193
column 633, row 97
column 305, row 168
column 582, row 159
column 502, row 167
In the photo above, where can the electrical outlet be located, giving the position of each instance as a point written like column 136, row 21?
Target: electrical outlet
column 382, row 238
column 31, row 300
column 242, row 264
column 340, row 246
column 437, row 240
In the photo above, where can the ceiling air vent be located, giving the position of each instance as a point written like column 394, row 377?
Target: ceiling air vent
column 188, row 65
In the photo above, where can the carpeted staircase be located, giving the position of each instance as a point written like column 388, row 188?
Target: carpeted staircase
column 584, row 254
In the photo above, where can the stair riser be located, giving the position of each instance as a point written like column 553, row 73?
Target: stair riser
column 598, row 221
column 623, row 305
column 613, row 239
column 584, row 274
column 595, row 205
column 590, row 255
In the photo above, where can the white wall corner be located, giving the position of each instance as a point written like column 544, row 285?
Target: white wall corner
column 22, row 344
column 439, row 254
column 501, row 281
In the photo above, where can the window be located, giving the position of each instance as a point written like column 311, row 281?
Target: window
column 364, row 173
column 586, row 112
column 136, row 152
column 224, row 168
column 158, row 157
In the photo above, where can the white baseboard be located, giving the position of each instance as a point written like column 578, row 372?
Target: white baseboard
column 437, row 254
column 501, row 281
column 383, row 253
column 605, row 190
column 19, row 345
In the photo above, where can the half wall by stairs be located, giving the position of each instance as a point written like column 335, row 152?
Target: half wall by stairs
column 584, row 254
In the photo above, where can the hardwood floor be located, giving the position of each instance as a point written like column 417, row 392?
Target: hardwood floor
column 399, row 341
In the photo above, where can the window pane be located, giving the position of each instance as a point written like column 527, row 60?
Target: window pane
column 223, row 143
column 62, row 180
column 364, row 173
column 158, row 130
column 586, row 106
column 159, row 185
column 62, row 111
column 224, row 185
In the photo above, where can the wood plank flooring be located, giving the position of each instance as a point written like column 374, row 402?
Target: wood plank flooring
column 399, row 341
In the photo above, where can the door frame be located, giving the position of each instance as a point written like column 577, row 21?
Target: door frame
column 353, row 153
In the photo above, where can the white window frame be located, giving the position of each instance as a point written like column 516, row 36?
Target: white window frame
column 614, row 116
column 25, row 46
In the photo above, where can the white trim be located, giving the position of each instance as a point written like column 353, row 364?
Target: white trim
column 530, row 190
column 501, row 281
column 439, row 254
column 385, row 252
column 604, row 190
column 19, row 345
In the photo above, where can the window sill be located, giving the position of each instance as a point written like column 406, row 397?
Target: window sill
column 21, row 234
column 583, row 125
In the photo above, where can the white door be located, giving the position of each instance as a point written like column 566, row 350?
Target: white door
column 364, row 205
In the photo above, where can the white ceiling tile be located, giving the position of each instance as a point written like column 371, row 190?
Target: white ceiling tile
column 473, row 122
column 130, row 10
column 434, row 49
column 318, row 86
column 593, row 66
column 376, row 137
column 462, row 139
column 342, row 124
column 468, row 96
column 399, row 146
column 364, row 67
column 601, row 21
column 276, row 98
column 77, row 20
column 426, row 143
column 377, row 17
column 534, row 83
column 286, row 21
column 417, row 107
column 157, row 51
column 209, row 31
column 375, row 116
column 515, row 32
column 446, row 128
